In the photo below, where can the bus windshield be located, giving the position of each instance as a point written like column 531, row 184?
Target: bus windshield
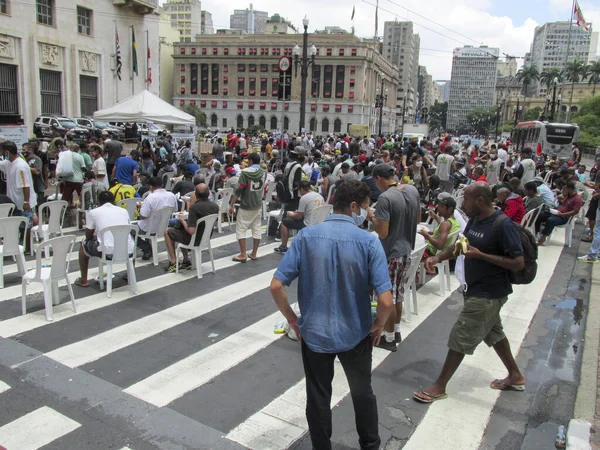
column 560, row 134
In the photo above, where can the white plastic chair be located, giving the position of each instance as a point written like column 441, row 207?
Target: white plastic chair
column 204, row 244
column 547, row 177
column 569, row 226
column 584, row 208
column 86, row 203
column 130, row 205
column 529, row 219
column 9, row 228
column 166, row 180
column 6, row 209
column 161, row 217
column 410, row 288
column 268, row 197
column 54, row 216
column 276, row 214
column 443, row 268
column 223, row 199
column 121, row 235
column 320, row 213
column 62, row 248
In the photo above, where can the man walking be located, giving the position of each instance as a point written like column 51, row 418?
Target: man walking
column 19, row 184
column 395, row 221
column 493, row 251
column 250, row 192
column 446, row 166
column 336, row 262
column 112, row 150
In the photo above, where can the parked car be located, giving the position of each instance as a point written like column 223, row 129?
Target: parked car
column 97, row 127
column 44, row 125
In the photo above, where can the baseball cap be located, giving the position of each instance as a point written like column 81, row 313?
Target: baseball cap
column 446, row 199
column 383, row 170
column 298, row 150
column 538, row 179
column 230, row 171
column 244, row 154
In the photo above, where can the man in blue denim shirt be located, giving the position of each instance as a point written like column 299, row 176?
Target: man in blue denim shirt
column 336, row 263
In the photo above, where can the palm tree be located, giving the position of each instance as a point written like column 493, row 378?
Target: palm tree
column 594, row 75
column 527, row 75
column 574, row 72
column 548, row 75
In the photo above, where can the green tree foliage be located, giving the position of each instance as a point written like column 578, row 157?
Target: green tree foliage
column 533, row 114
column 527, row 75
column 438, row 114
column 593, row 72
column 588, row 119
column 482, row 120
column 193, row 110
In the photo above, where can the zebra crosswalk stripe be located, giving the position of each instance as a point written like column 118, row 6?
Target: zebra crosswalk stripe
column 3, row 387
column 36, row 429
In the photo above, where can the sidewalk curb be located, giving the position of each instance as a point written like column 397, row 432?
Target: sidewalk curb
column 578, row 432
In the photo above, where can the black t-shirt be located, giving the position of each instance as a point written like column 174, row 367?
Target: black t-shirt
column 484, row 279
column 183, row 187
column 410, row 151
column 198, row 210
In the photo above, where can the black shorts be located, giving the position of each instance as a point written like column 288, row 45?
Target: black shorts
column 179, row 235
column 293, row 224
column 592, row 209
column 91, row 247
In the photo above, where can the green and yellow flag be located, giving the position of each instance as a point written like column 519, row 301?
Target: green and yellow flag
column 134, row 52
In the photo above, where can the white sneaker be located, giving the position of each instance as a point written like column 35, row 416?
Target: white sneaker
column 587, row 258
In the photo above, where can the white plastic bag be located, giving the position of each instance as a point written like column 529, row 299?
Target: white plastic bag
column 64, row 168
column 459, row 271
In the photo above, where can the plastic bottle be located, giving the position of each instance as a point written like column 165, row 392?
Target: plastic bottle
column 561, row 440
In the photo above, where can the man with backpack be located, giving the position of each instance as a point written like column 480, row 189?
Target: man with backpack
column 498, row 254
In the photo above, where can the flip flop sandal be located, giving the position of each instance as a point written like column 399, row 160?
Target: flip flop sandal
column 78, row 283
column 253, row 259
column 502, row 385
column 235, row 259
column 432, row 398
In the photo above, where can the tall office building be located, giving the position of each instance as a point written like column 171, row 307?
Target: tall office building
column 444, row 86
column 549, row 48
column 401, row 48
column 206, row 23
column 428, row 91
column 473, row 82
column 249, row 20
column 185, row 17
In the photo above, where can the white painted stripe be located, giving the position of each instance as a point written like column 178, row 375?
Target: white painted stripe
column 110, row 341
column 36, row 429
column 125, row 448
column 3, row 387
column 12, row 292
column 470, row 400
column 31, row 321
column 190, row 373
column 283, row 421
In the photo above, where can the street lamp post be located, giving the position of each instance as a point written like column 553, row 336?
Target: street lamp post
column 380, row 100
column 517, row 110
column 304, row 63
column 555, row 82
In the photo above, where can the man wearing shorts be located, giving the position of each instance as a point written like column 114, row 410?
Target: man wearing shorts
column 495, row 248
column 94, row 244
column 395, row 221
column 249, row 193
column 303, row 217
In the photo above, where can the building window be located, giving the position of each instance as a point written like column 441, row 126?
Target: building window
column 88, row 88
column 286, row 106
column 275, row 68
column 204, row 51
column 273, row 123
column 352, row 82
column 316, row 81
column 213, row 120
column 353, row 52
column 241, row 85
column 329, row 51
column 241, row 67
column 45, row 12
column 325, row 108
column 264, row 67
column 182, row 50
column 250, row 120
column 252, row 86
column 183, row 78
column 224, row 105
column 9, row 101
column 215, row 79
column 3, row 6
column 50, row 89
column 313, row 124
column 193, row 50
column 263, row 87
column 224, row 122
column 325, row 125
column 225, row 68
column 341, row 52
column 339, row 81
column 337, row 126
column 286, row 123
column 84, row 21
column 182, row 67
column 215, row 51
column 194, row 78
column 226, row 51
column 252, row 67
column 262, row 106
column 273, row 106
column 275, row 83
column 327, row 81
column 225, row 91
column 350, row 108
column 262, row 121
column 240, row 121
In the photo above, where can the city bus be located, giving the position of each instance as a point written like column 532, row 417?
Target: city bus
column 544, row 137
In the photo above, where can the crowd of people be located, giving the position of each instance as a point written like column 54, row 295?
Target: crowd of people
column 384, row 184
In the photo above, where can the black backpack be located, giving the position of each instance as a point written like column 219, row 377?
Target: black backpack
column 530, row 253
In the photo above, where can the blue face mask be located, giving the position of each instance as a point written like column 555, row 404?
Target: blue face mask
column 358, row 220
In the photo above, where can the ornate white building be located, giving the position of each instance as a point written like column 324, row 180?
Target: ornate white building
column 58, row 56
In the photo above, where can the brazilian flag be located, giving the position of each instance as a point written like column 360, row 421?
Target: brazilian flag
column 134, row 52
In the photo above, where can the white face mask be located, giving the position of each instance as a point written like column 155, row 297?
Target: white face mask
column 358, row 220
column 419, row 164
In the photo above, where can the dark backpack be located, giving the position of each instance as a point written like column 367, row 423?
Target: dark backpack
column 290, row 188
column 530, row 253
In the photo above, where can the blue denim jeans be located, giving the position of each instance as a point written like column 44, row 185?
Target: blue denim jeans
column 595, row 248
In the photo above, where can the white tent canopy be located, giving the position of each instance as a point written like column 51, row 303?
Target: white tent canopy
column 143, row 107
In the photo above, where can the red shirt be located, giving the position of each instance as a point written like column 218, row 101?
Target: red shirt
column 570, row 204
column 514, row 208
column 482, row 178
column 362, row 158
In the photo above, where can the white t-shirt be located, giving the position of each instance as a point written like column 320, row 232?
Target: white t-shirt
column 307, row 205
column 503, row 155
column 99, row 168
column 493, row 169
column 444, row 166
column 108, row 215
column 528, row 170
column 160, row 198
column 18, row 176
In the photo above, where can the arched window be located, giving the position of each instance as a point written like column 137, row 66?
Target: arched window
column 563, row 108
column 325, row 125
column 273, row 123
column 262, row 121
column 286, row 123
column 337, row 126
column 250, row 120
column 313, row 124
column 240, row 121
column 574, row 109
column 213, row 120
